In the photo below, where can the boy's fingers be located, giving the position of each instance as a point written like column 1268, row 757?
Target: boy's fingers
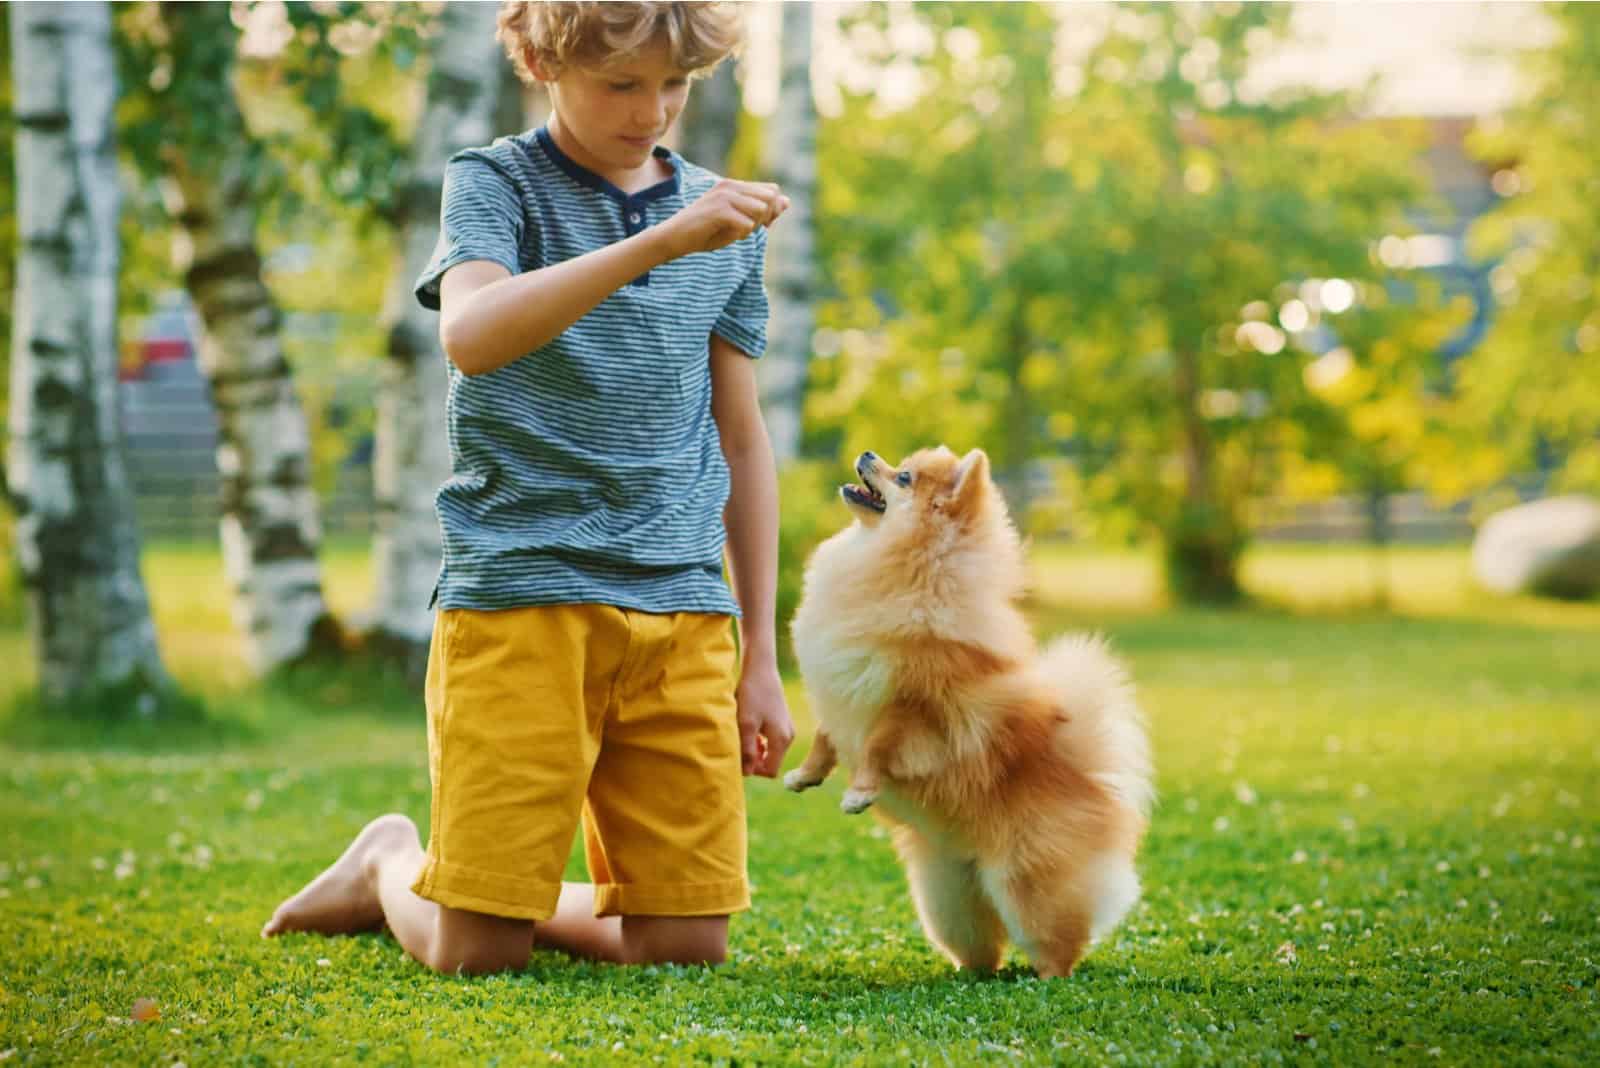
column 775, row 752
column 775, row 201
column 750, row 749
column 767, row 768
column 777, row 739
column 767, row 193
column 759, row 189
column 734, row 226
column 753, row 208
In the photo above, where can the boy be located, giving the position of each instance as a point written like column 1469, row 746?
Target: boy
column 601, row 307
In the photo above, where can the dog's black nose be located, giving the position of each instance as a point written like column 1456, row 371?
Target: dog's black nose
column 868, row 458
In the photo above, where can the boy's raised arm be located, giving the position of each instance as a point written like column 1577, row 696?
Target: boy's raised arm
column 489, row 317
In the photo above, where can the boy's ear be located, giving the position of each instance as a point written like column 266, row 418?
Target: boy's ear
column 972, row 474
column 535, row 67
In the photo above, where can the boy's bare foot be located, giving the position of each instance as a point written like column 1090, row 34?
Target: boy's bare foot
column 344, row 898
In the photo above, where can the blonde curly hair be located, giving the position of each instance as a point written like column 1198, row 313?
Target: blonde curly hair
column 559, row 36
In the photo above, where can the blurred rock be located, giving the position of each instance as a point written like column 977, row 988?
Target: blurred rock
column 1549, row 547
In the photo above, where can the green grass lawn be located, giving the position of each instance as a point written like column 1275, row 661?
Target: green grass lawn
column 1378, row 839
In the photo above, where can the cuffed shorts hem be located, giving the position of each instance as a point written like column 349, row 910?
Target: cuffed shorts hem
column 472, row 890
column 671, row 899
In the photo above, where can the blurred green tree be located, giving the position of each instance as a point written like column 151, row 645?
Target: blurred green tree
column 225, row 175
column 1376, row 419
column 1097, row 254
column 1533, row 386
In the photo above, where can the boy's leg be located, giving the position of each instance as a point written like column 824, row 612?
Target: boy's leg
column 664, row 824
column 575, row 929
column 371, row 883
column 370, row 886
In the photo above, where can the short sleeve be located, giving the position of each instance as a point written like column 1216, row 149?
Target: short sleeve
column 480, row 218
column 743, row 322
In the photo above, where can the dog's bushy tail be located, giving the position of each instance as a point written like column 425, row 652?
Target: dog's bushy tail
column 1105, row 728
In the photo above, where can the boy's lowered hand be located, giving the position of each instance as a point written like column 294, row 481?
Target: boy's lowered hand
column 765, row 729
column 729, row 212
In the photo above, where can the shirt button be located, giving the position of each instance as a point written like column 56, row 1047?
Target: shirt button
column 634, row 218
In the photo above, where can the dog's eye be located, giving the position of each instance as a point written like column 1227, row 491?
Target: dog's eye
column 904, row 478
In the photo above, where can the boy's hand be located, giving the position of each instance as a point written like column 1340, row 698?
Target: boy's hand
column 730, row 211
column 765, row 729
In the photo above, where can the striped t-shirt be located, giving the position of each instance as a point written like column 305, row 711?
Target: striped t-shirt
column 590, row 470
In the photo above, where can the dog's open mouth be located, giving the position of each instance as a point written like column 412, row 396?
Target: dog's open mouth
column 864, row 495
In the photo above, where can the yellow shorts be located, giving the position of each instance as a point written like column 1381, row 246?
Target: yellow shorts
column 539, row 715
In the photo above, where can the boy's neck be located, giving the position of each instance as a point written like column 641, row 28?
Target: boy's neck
column 629, row 180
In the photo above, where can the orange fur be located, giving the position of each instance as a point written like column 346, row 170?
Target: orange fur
column 1016, row 784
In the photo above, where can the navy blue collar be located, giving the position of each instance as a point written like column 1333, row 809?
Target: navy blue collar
column 581, row 174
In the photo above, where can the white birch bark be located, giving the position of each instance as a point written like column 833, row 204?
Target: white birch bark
column 710, row 122
column 76, row 539
column 468, row 95
column 270, row 527
column 792, row 162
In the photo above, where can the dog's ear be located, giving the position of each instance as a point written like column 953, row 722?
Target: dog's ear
column 972, row 474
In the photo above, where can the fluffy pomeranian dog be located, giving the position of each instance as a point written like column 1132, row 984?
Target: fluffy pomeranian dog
column 1016, row 783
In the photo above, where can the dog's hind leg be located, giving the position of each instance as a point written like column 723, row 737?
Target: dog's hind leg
column 1059, row 952
column 1054, row 916
column 955, row 913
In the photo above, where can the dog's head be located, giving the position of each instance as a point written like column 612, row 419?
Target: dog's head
column 934, row 506
column 930, row 542
column 932, row 486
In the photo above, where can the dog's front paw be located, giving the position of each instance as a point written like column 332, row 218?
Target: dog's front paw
column 797, row 780
column 855, row 801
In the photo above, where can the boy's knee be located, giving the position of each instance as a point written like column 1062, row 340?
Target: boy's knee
column 471, row 944
column 454, row 957
column 675, row 939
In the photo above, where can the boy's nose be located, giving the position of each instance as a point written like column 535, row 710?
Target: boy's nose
column 655, row 114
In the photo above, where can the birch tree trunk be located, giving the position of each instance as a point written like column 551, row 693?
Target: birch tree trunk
column 710, row 121
column 468, row 96
column 792, row 162
column 270, row 527
column 77, row 542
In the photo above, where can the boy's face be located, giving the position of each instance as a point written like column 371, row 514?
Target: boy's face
column 617, row 114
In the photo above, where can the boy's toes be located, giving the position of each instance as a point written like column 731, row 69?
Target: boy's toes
column 855, row 801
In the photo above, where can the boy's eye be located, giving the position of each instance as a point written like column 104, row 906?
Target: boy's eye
column 904, row 478
column 621, row 87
